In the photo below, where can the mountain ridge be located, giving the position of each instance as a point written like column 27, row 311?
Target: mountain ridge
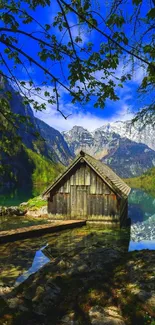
column 126, row 157
column 113, row 143
column 39, row 144
column 136, row 131
column 34, row 159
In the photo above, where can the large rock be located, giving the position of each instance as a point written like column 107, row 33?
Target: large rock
column 12, row 211
column 108, row 316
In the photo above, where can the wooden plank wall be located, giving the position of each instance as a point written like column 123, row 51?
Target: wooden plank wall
column 82, row 194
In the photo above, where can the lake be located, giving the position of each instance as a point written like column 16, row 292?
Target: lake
column 13, row 197
column 20, row 259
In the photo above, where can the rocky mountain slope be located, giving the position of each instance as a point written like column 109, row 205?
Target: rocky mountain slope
column 40, row 153
column 56, row 146
column 97, row 144
column 137, row 132
column 26, row 131
column 128, row 158
column 50, row 143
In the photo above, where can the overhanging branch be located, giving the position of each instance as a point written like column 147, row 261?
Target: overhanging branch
column 31, row 60
column 106, row 35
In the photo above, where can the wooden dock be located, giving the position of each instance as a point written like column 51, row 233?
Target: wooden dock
column 36, row 231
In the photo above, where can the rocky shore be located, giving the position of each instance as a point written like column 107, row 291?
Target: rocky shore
column 35, row 207
column 100, row 286
column 12, row 211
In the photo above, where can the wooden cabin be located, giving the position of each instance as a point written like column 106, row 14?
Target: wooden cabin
column 88, row 189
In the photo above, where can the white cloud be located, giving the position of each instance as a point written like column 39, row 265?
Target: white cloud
column 88, row 120
column 139, row 74
column 76, row 28
column 137, row 71
column 78, row 117
column 79, row 30
column 85, row 119
column 124, row 114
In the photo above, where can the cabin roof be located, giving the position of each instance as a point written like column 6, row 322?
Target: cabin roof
column 105, row 172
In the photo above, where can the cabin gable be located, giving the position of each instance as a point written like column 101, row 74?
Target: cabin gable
column 82, row 193
column 88, row 189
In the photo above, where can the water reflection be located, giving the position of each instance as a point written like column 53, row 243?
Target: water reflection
column 90, row 244
column 26, row 257
column 20, row 259
column 141, row 205
column 145, row 244
column 142, row 213
column 15, row 196
column 39, row 261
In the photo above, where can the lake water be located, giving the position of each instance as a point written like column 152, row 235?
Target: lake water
column 20, row 259
column 13, row 197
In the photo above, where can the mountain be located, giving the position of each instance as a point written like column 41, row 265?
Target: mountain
column 128, row 158
column 27, row 132
column 96, row 144
column 50, row 143
column 125, row 147
column 78, row 138
column 138, row 132
column 39, row 155
column 56, row 147
column 27, row 168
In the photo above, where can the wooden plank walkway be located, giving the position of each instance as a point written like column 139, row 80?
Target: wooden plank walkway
column 35, row 231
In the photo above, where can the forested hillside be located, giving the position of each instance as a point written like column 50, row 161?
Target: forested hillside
column 27, row 156
column 146, row 181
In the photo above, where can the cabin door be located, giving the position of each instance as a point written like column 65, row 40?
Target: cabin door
column 79, row 195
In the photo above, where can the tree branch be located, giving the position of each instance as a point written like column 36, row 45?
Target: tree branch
column 25, row 13
column 107, row 36
column 13, row 77
column 37, row 64
column 68, row 28
column 34, row 38
column 57, row 100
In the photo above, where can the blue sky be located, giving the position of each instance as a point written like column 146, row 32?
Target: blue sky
column 86, row 116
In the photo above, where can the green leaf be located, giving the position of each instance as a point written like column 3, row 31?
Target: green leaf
column 47, row 27
column 136, row 2
column 93, row 21
column 7, row 50
column 147, row 48
column 64, row 24
column 23, row 83
column 46, row 94
column 78, row 39
column 151, row 13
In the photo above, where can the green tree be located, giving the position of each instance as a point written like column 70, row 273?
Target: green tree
column 78, row 62
column 10, row 142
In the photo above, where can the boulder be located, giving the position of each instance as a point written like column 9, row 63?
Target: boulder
column 12, row 211
column 69, row 319
column 105, row 316
column 23, row 204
